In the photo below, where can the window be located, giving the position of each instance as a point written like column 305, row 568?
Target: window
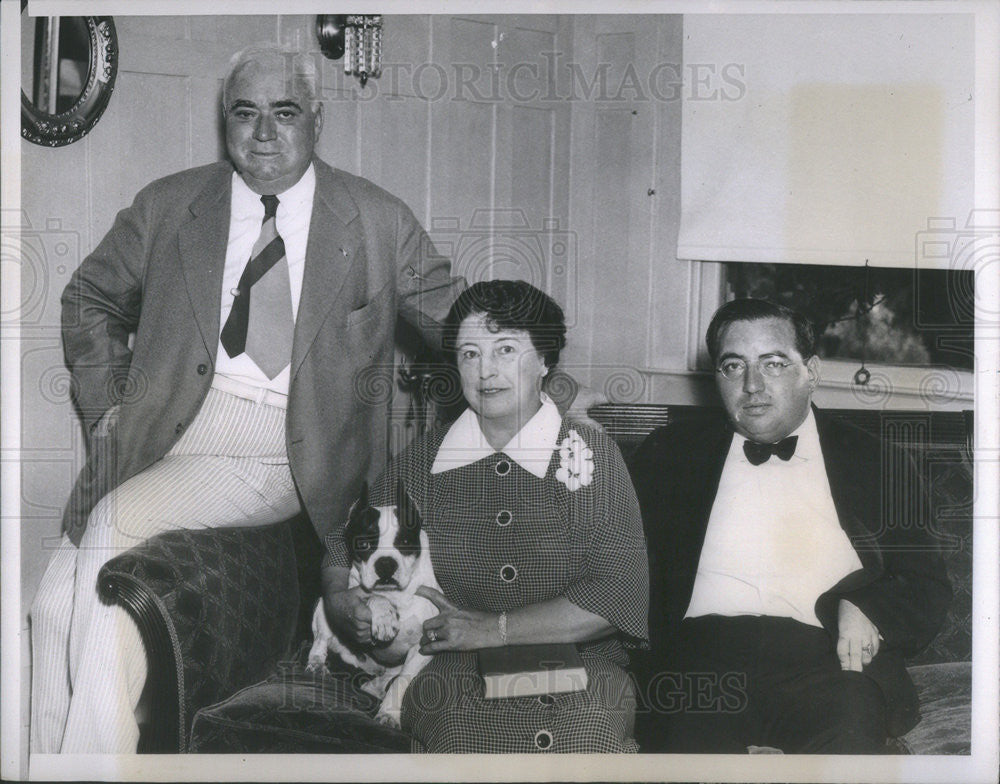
column 888, row 316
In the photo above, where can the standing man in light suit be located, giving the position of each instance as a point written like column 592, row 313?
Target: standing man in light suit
column 236, row 404
column 785, row 591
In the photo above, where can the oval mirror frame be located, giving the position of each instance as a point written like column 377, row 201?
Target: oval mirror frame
column 56, row 130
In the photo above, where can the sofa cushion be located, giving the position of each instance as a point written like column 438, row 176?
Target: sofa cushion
column 297, row 711
column 945, row 693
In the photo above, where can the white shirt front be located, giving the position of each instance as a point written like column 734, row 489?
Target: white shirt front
column 774, row 542
column 292, row 223
column 531, row 447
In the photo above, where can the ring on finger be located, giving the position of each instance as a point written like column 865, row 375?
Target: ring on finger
column 432, row 635
column 869, row 649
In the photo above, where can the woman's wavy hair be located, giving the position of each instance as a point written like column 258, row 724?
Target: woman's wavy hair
column 510, row 304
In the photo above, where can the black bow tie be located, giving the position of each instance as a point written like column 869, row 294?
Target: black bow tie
column 760, row 453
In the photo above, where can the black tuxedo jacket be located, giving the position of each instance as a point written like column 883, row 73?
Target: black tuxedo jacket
column 902, row 586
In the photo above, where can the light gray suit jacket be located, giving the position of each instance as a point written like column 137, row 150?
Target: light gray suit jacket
column 158, row 274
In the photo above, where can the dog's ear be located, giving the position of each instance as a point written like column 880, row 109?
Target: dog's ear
column 406, row 511
column 361, row 503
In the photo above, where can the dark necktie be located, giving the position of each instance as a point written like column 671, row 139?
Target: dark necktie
column 264, row 331
column 761, row 453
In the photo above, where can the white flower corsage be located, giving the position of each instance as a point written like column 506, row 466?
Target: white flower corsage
column 576, row 462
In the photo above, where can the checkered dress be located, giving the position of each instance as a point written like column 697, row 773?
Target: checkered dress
column 501, row 538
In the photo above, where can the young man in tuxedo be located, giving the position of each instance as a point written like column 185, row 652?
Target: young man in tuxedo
column 786, row 587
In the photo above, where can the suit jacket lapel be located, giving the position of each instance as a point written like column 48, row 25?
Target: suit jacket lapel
column 705, row 475
column 849, row 471
column 330, row 253
column 202, row 245
column 718, row 442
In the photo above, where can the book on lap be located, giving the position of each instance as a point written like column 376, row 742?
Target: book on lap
column 526, row 670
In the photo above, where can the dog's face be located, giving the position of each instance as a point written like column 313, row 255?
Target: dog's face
column 383, row 542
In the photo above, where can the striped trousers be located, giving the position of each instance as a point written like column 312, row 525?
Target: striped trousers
column 88, row 664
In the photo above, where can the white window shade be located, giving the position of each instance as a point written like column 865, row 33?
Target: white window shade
column 854, row 130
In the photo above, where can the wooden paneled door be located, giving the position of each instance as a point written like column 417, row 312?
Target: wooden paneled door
column 613, row 199
column 500, row 149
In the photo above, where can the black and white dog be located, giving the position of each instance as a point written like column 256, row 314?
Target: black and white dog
column 390, row 559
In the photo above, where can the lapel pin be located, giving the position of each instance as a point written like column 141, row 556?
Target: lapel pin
column 345, row 252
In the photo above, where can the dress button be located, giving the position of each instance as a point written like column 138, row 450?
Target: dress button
column 503, row 468
column 202, row 369
column 508, row 573
column 504, row 517
column 543, row 739
column 546, row 699
column 179, row 428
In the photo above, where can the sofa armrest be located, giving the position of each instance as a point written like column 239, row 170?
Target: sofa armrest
column 216, row 609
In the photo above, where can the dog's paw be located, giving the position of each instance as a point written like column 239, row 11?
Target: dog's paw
column 385, row 619
column 385, row 630
column 317, row 655
column 389, row 718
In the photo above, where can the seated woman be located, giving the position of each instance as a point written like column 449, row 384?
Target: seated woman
column 535, row 537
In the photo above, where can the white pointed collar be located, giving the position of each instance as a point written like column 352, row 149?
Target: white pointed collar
column 531, row 447
column 246, row 203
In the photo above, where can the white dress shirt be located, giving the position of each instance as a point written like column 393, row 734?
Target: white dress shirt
column 773, row 542
column 292, row 223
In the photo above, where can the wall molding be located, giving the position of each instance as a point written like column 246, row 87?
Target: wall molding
column 931, row 388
